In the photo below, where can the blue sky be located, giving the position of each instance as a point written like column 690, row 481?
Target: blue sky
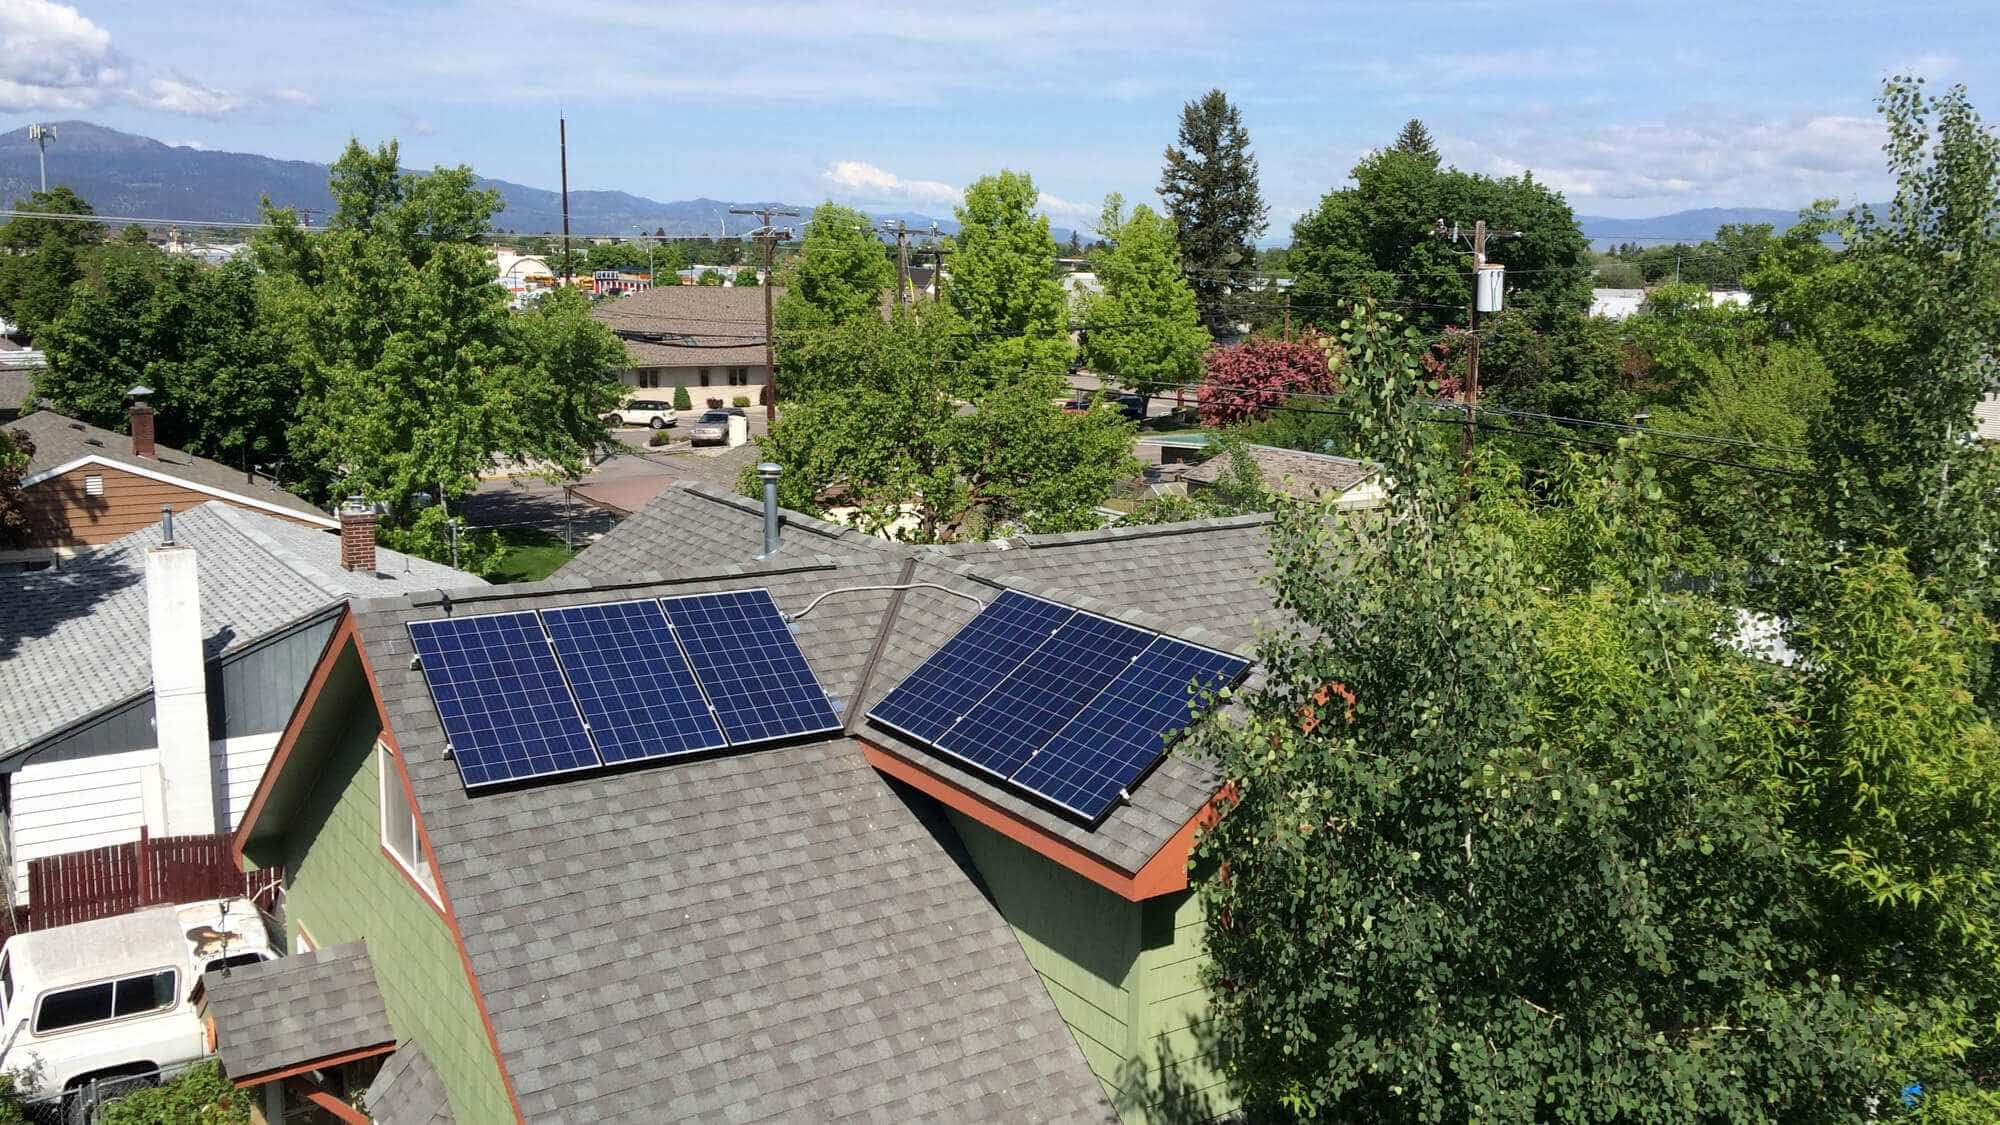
column 1630, row 108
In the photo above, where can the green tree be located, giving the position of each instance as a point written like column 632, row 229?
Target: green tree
column 1513, row 837
column 1416, row 140
column 710, row 278
column 746, row 278
column 1144, row 332
column 200, row 336
column 41, row 259
column 1004, row 288
column 1379, row 239
column 1209, row 186
column 681, row 399
column 916, row 445
column 16, row 449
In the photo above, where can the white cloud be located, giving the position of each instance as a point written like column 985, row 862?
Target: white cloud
column 291, row 96
column 861, row 181
column 53, row 57
column 1776, row 162
column 176, row 96
column 867, row 185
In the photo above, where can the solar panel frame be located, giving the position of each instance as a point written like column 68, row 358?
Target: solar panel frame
column 1005, row 729
column 1124, row 732
column 487, row 750
column 633, row 684
column 762, row 690
column 951, row 681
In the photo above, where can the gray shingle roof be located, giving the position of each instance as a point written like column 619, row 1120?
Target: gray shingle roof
column 773, row 934
column 727, row 323
column 15, row 387
column 1290, row 472
column 408, row 1091
column 280, row 1014
column 75, row 640
column 60, row 440
column 1199, row 580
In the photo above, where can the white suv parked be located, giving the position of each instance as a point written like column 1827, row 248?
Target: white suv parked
column 644, row 412
column 111, row 998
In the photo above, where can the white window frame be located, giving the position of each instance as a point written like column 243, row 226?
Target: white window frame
column 417, row 865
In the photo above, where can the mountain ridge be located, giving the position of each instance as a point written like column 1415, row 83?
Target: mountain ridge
column 126, row 175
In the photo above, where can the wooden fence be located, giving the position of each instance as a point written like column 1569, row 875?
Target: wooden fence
column 121, row 878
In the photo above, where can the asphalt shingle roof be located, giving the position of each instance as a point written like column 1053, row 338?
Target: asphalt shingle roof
column 279, row 1014
column 774, row 933
column 74, row 640
column 726, row 322
column 60, row 440
column 1201, row 581
column 1291, row 472
column 408, row 1091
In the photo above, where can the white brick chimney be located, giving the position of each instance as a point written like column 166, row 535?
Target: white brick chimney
column 180, row 689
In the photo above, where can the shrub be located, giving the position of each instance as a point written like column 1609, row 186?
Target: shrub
column 714, row 403
column 660, row 438
column 1247, row 380
column 200, row 1095
column 740, row 401
column 681, row 400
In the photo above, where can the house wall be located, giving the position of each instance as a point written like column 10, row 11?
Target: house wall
column 64, row 515
column 1122, row 974
column 341, row 887
column 642, row 379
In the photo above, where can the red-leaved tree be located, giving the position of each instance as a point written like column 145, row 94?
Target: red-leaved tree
column 1250, row 379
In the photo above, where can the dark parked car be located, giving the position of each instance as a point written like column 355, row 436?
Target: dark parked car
column 1131, row 406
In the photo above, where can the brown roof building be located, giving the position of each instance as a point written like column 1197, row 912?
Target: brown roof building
column 707, row 338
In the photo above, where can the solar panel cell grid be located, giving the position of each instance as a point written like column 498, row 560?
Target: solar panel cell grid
column 1114, row 740
column 1043, row 693
column 955, row 677
column 756, row 677
column 502, row 700
column 630, row 679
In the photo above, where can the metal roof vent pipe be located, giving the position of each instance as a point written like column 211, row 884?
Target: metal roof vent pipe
column 768, row 473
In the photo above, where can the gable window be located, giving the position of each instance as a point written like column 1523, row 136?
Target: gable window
column 399, row 822
column 93, row 484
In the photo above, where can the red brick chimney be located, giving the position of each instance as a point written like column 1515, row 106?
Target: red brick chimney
column 357, row 535
column 142, row 423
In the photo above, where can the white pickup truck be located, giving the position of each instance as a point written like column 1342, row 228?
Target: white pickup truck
column 111, row 998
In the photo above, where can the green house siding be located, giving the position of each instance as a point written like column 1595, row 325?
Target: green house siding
column 1124, row 976
column 342, row 888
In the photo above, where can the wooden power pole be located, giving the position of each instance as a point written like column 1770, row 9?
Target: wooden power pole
column 768, row 235
column 902, row 233
column 1472, row 345
column 562, row 142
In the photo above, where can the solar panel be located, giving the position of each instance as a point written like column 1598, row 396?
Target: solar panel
column 501, row 697
column 745, row 658
column 957, row 676
column 1045, row 691
column 631, row 681
column 1114, row 740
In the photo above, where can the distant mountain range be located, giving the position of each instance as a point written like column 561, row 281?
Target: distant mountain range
column 125, row 175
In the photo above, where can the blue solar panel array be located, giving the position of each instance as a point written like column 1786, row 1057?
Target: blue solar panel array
column 756, row 677
column 501, row 697
column 631, row 681
column 1071, row 707
column 523, row 695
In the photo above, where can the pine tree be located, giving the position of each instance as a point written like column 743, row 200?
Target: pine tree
column 1416, row 140
column 1209, row 185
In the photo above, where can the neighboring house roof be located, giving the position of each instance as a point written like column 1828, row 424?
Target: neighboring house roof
column 724, row 325
column 74, row 640
column 62, row 444
column 1290, row 472
column 15, row 387
column 793, row 939
column 408, row 1090
column 278, row 1016
column 1986, row 418
column 1616, row 304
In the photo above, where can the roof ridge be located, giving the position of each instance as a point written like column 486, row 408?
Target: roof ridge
column 564, row 584
column 1143, row 531
column 789, row 517
column 291, row 560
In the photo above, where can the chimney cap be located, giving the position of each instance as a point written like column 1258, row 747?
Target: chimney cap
column 769, row 470
column 141, row 392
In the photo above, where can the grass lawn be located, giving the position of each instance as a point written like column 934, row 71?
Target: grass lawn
column 530, row 555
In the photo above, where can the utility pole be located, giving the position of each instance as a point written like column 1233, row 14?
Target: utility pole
column 1472, row 347
column 768, row 235
column 1288, row 313
column 42, row 135
column 562, row 141
column 902, row 234
column 937, row 264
